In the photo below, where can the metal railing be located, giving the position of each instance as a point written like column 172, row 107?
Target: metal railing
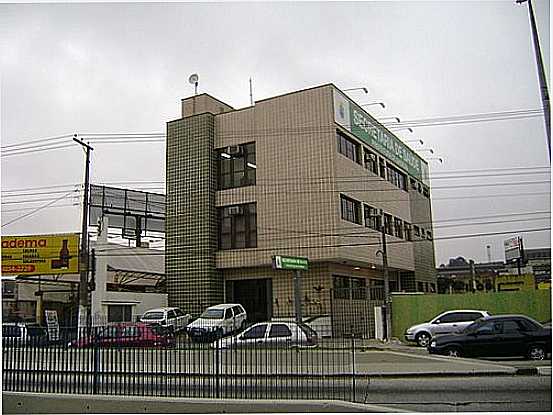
column 287, row 362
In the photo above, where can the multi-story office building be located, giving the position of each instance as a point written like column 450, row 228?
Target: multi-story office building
column 308, row 174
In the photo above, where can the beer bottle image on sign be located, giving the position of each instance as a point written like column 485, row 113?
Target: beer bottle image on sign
column 63, row 261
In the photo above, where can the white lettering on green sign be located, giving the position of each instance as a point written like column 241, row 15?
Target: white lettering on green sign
column 285, row 262
column 355, row 120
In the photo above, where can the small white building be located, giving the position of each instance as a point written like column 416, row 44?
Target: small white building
column 128, row 281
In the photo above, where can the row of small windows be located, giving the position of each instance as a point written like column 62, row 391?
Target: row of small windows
column 394, row 226
column 352, row 150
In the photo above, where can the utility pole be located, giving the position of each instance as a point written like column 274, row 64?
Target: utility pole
column 83, row 283
column 541, row 75
column 384, row 253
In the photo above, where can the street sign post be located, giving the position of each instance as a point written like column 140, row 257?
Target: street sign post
column 296, row 264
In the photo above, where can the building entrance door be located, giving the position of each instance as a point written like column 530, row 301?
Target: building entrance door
column 255, row 295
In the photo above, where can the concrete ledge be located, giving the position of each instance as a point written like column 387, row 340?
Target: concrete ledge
column 41, row 403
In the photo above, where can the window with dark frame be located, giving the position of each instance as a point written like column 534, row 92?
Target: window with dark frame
column 388, row 224
column 396, row 177
column 398, row 228
column 341, row 287
column 349, row 288
column 236, row 166
column 351, row 209
column 371, row 161
column 407, row 230
column 358, row 288
column 416, row 230
column 238, row 226
column 373, row 217
column 119, row 313
column 382, row 167
column 347, row 147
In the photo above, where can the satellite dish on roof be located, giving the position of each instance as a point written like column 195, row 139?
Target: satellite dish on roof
column 193, row 79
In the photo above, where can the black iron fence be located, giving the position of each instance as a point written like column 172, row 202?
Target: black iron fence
column 275, row 360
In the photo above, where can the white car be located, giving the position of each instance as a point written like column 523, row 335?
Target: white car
column 217, row 321
column 445, row 323
column 272, row 334
column 169, row 317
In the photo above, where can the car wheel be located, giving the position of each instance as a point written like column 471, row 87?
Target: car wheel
column 423, row 339
column 536, row 352
column 453, row 352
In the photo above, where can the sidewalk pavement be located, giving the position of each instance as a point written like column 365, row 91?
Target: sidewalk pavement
column 397, row 359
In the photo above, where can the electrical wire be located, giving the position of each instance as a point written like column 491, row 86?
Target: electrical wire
column 37, row 210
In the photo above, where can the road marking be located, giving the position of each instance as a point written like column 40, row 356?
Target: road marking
column 451, row 360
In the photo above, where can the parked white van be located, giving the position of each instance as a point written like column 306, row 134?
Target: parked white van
column 217, row 321
column 169, row 317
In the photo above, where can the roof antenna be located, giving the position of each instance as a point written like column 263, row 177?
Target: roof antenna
column 251, row 93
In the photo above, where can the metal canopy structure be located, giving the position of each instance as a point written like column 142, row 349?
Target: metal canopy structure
column 132, row 211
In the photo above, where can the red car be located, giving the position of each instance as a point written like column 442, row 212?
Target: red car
column 127, row 335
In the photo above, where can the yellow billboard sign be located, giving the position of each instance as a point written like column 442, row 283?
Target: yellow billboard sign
column 40, row 254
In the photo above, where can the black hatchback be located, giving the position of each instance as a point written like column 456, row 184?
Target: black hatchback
column 496, row 336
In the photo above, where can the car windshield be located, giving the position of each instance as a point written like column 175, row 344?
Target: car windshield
column 472, row 327
column 153, row 315
column 213, row 313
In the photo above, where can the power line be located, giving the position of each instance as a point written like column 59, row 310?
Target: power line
column 446, row 120
column 39, row 140
column 37, row 210
column 99, row 252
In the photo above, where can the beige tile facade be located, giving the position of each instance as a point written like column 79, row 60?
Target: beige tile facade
column 299, row 178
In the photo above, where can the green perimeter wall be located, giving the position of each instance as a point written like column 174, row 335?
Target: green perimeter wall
column 408, row 310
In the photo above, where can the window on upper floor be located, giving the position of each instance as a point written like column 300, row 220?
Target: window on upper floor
column 382, row 167
column 371, row 161
column 426, row 191
column 396, row 177
column 348, row 147
column 398, row 228
column 238, row 226
column 388, row 224
column 236, row 166
column 351, row 209
column 407, row 230
column 429, row 235
column 373, row 217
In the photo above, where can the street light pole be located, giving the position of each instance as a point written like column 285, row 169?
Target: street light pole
column 541, row 76
column 83, row 283
column 384, row 253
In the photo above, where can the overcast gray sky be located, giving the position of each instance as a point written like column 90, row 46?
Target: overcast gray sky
column 122, row 68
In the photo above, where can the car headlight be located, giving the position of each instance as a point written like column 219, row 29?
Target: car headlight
column 409, row 331
column 433, row 343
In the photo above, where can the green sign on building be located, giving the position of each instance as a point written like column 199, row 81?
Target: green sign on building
column 357, row 121
column 290, row 262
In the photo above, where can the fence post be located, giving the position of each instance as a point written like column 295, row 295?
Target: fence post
column 217, row 374
column 353, row 363
column 95, row 365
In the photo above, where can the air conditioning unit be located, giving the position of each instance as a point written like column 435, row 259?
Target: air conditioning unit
column 234, row 150
column 235, row 210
